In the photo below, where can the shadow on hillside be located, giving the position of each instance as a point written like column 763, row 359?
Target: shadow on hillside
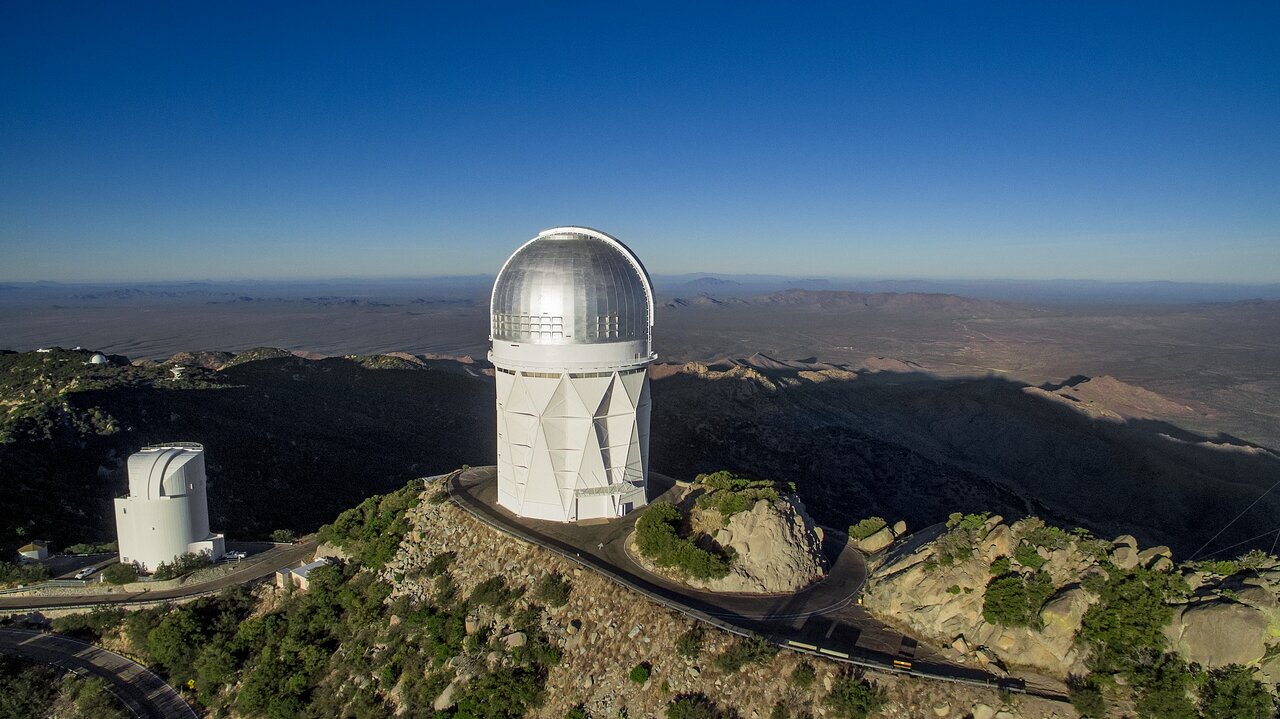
column 914, row 446
column 290, row 443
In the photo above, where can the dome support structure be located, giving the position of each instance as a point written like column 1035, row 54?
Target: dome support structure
column 571, row 318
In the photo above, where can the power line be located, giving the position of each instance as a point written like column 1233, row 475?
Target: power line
column 1233, row 521
column 1250, row 539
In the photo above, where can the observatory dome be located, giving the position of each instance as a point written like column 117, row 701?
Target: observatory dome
column 572, row 286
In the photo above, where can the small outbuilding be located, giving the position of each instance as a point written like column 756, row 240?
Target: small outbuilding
column 98, row 358
column 37, row 550
column 299, row 576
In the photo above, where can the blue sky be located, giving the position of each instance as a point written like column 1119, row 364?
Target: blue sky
column 941, row 140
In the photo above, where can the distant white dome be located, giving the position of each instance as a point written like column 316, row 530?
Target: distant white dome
column 98, row 358
column 572, row 286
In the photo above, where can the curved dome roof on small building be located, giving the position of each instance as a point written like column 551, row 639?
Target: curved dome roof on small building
column 98, row 358
column 572, row 285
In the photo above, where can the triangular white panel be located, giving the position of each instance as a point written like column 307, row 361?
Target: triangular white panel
column 518, row 400
column 591, row 391
column 541, row 390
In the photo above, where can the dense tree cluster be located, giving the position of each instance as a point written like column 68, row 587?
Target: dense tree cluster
column 658, row 537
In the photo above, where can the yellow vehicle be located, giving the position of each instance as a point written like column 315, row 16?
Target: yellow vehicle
column 901, row 664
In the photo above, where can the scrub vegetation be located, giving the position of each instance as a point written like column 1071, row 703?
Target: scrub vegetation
column 35, row 691
column 730, row 493
column 298, row 657
column 658, row 538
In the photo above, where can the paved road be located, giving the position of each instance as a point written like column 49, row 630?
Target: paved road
column 143, row 693
column 255, row 568
column 825, row 617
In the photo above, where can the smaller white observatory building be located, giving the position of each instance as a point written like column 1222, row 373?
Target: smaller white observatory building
column 166, row 513
column 571, row 327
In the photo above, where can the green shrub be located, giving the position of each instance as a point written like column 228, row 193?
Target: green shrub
column 1035, row 532
column 639, row 673
column 956, row 546
column 1000, row 566
column 553, row 590
column 866, row 527
column 1127, row 623
column 1087, row 699
column 120, row 573
column 1234, row 693
column 658, row 538
column 803, row 676
column 1028, row 557
column 578, row 712
column 92, row 548
column 284, row 536
column 446, row 589
column 11, row 573
column 853, row 697
column 1162, row 689
column 90, row 626
column 1013, row 601
column 954, row 589
column 372, row 531
column 493, row 592
column 695, row 706
column 182, row 564
column 958, row 520
column 730, row 493
column 689, row 644
column 744, row 652
column 439, row 564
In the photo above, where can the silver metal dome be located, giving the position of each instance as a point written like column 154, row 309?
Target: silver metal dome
column 571, row 286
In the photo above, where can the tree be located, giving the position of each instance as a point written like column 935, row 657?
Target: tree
column 853, row 697
column 1128, row 621
column 694, row 706
column 120, row 573
column 553, row 590
column 1233, row 693
column 1087, row 699
column 284, row 536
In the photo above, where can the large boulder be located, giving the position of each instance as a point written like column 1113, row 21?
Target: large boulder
column 1124, row 556
column 875, row 542
column 777, row 547
column 1218, row 633
column 1063, row 612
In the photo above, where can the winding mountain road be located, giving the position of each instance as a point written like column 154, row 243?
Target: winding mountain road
column 823, row 619
column 257, row 567
column 143, row 694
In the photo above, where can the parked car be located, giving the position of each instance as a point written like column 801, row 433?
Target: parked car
column 234, row 556
column 86, row 572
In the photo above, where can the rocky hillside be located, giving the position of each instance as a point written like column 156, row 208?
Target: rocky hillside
column 426, row 612
column 1023, row 595
column 605, row 631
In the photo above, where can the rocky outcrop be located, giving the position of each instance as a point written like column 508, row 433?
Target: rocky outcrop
column 1217, row 633
column 944, row 603
column 776, row 549
column 1225, row 620
column 604, row 630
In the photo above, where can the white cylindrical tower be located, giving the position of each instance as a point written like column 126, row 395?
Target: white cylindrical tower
column 166, row 513
column 571, row 326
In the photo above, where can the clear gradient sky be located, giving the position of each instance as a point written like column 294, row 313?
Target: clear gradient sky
column 235, row 140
